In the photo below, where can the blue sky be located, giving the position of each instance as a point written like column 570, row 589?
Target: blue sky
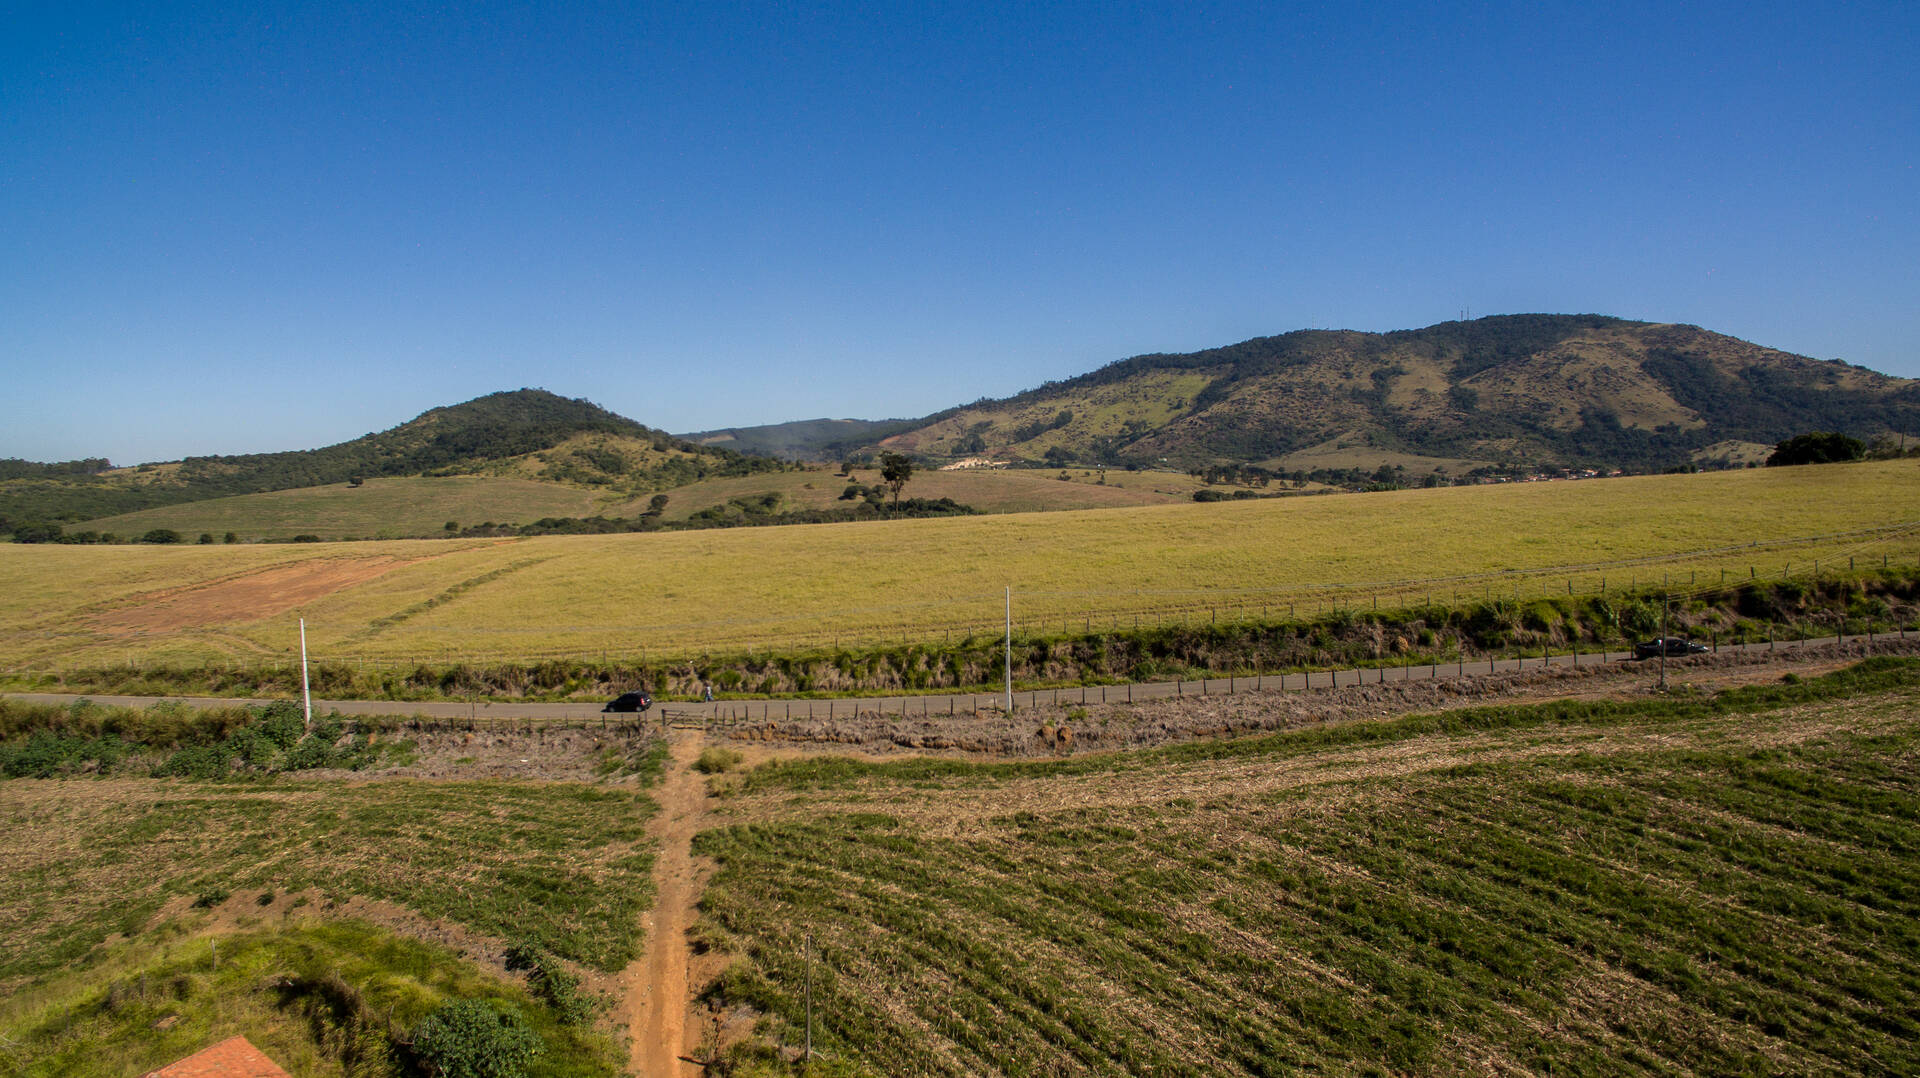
column 238, row 228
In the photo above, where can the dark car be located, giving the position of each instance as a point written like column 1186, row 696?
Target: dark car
column 630, row 701
column 1670, row 646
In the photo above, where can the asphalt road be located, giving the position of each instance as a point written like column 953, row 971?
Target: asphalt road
column 801, row 709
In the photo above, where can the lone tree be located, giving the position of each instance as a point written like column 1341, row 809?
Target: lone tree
column 1819, row 447
column 895, row 470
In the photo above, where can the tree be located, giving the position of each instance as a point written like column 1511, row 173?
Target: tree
column 895, row 470
column 161, row 535
column 656, row 505
column 1819, row 447
column 468, row 1038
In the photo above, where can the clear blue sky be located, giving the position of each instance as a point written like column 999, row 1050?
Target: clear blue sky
column 232, row 228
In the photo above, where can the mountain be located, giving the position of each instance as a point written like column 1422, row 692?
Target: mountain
column 527, row 433
column 1508, row 391
column 802, row 439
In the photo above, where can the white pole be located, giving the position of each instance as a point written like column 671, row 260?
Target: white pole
column 306, row 693
column 1009, row 650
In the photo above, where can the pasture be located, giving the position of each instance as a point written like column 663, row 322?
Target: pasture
column 1696, row 885
column 377, row 509
column 421, row 507
column 990, row 490
column 650, row 596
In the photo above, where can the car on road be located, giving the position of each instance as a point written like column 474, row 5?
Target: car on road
column 630, row 701
column 1670, row 646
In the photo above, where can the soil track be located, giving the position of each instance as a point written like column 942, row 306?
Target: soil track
column 657, row 988
column 253, row 597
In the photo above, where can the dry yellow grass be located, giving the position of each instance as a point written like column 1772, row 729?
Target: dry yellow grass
column 686, row 593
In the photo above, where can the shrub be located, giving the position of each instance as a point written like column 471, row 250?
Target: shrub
column 717, row 760
column 282, row 723
column 552, row 983
column 468, row 1038
column 161, row 535
column 196, row 762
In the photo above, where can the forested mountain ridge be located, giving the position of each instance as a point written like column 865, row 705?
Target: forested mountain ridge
column 1511, row 391
column 526, row 432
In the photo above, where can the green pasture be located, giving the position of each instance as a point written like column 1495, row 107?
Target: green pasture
column 377, row 509
column 565, row 866
column 648, row 596
column 1700, row 885
column 990, row 490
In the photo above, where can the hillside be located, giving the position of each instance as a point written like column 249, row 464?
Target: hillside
column 527, row 433
column 1518, row 391
column 803, row 439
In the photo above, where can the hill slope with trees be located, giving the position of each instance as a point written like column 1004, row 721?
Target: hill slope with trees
column 1509, row 391
column 526, row 433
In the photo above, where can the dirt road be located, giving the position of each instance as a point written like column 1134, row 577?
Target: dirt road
column 657, row 988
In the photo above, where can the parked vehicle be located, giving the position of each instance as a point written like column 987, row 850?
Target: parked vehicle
column 1670, row 646
column 630, row 701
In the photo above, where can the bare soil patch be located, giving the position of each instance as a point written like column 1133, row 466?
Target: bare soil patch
column 252, row 597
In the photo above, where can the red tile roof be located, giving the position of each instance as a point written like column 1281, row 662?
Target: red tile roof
column 234, row 1057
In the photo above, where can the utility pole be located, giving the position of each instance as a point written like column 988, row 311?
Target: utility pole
column 306, row 693
column 1009, row 649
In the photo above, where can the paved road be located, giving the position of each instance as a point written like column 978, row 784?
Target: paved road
column 797, row 709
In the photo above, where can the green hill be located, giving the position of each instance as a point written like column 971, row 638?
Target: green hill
column 527, row 433
column 1510, row 391
column 803, row 439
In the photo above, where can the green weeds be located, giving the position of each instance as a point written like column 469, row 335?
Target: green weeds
column 341, row 998
column 566, row 867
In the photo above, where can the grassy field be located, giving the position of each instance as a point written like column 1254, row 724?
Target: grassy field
column 990, row 490
column 317, row 997
column 420, row 507
column 1698, row 885
column 564, row 865
column 378, row 509
column 684, row 594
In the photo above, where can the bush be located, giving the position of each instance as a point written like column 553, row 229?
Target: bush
column 196, row 762
column 468, row 1038
column 716, row 760
column 552, row 983
column 1819, row 447
column 161, row 535
column 282, row 723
